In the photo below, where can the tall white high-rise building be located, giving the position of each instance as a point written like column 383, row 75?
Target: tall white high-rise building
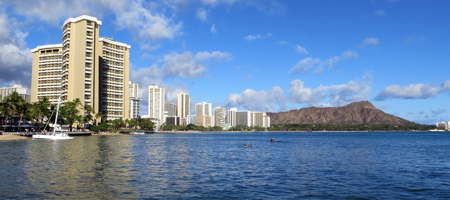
column 135, row 101
column 156, row 103
column 183, row 110
column 231, row 117
column 203, row 108
column 6, row 91
column 243, row 118
column 219, row 117
column 171, row 109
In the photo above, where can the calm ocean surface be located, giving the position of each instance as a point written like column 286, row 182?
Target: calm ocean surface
column 407, row 165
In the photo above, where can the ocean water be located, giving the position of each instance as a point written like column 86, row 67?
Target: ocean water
column 369, row 165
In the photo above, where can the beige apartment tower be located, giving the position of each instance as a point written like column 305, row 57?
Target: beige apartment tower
column 183, row 107
column 86, row 66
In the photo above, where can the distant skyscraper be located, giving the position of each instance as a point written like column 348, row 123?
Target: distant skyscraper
column 205, row 121
column 219, row 117
column 183, row 110
column 134, row 101
column 243, row 118
column 203, row 108
column 171, row 108
column 231, row 117
column 156, row 103
column 6, row 91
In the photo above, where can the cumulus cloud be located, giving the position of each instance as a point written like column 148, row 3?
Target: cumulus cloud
column 300, row 50
column 412, row 91
column 213, row 28
column 135, row 15
column 369, row 41
column 201, row 14
column 187, row 66
column 15, row 58
column 307, row 63
column 322, row 96
column 304, row 65
column 252, row 37
column 256, row 101
column 149, row 47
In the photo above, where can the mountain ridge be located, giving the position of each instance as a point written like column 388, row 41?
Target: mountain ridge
column 362, row 112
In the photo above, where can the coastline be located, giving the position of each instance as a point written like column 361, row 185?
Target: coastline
column 11, row 137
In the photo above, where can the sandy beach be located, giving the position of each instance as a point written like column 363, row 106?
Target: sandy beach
column 11, row 137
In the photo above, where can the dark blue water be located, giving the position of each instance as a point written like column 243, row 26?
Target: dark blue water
column 216, row 166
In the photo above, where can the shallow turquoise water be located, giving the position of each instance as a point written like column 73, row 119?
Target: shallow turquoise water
column 370, row 165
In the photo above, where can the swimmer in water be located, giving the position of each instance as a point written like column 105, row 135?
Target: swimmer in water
column 245, row 146
column 249, row 145
column 272, row 140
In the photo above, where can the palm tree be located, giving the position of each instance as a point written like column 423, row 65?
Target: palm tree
column 10, row 105
column 40, row 110
column 87, row 117
column 69, row 112
column 98, row 115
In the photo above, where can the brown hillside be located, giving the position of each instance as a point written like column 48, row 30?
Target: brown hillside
column 355, row 113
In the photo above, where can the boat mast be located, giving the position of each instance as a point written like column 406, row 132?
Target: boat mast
column 56, row 119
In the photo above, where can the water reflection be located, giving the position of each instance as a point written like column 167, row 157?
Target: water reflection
column 87, row 167
column 216, row 166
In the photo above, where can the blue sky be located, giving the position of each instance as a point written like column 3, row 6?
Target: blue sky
column 262, row 55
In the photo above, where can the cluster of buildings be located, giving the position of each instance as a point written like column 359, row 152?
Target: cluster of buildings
column 95, row 70
column 162, row 112
column 443, row 125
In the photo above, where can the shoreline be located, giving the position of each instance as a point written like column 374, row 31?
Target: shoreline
column 12, row 137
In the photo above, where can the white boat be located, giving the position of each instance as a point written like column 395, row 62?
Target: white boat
column 137, row 133
column 57, row 134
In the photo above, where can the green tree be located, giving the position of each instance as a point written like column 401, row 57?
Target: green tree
column 42, row 109
column 97, row 116
column 70, row 113
column 87, row 117
column 11, row 106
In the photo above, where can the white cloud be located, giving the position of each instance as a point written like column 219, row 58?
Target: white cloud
column 257, row 101
column 149, row 47
column 134, row 15
column 299, row 94
column 349, row 54
column 304, row 65
column 186, row 66
column 307, row 63
column 252, row 37
column 380, row 12
column 369, row 41
column 413, row 91
column 201, row 14
column 213, row 28
column 15, row 58
column 300, row 50
column 337, row 95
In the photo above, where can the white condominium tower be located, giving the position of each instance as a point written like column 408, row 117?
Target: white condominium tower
column 156, row 103
column 86, row 66
column 231, row 117
column 134, row 100
column 203, row 108
column 219, row 117
column 171, row 109
column 183, row 110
